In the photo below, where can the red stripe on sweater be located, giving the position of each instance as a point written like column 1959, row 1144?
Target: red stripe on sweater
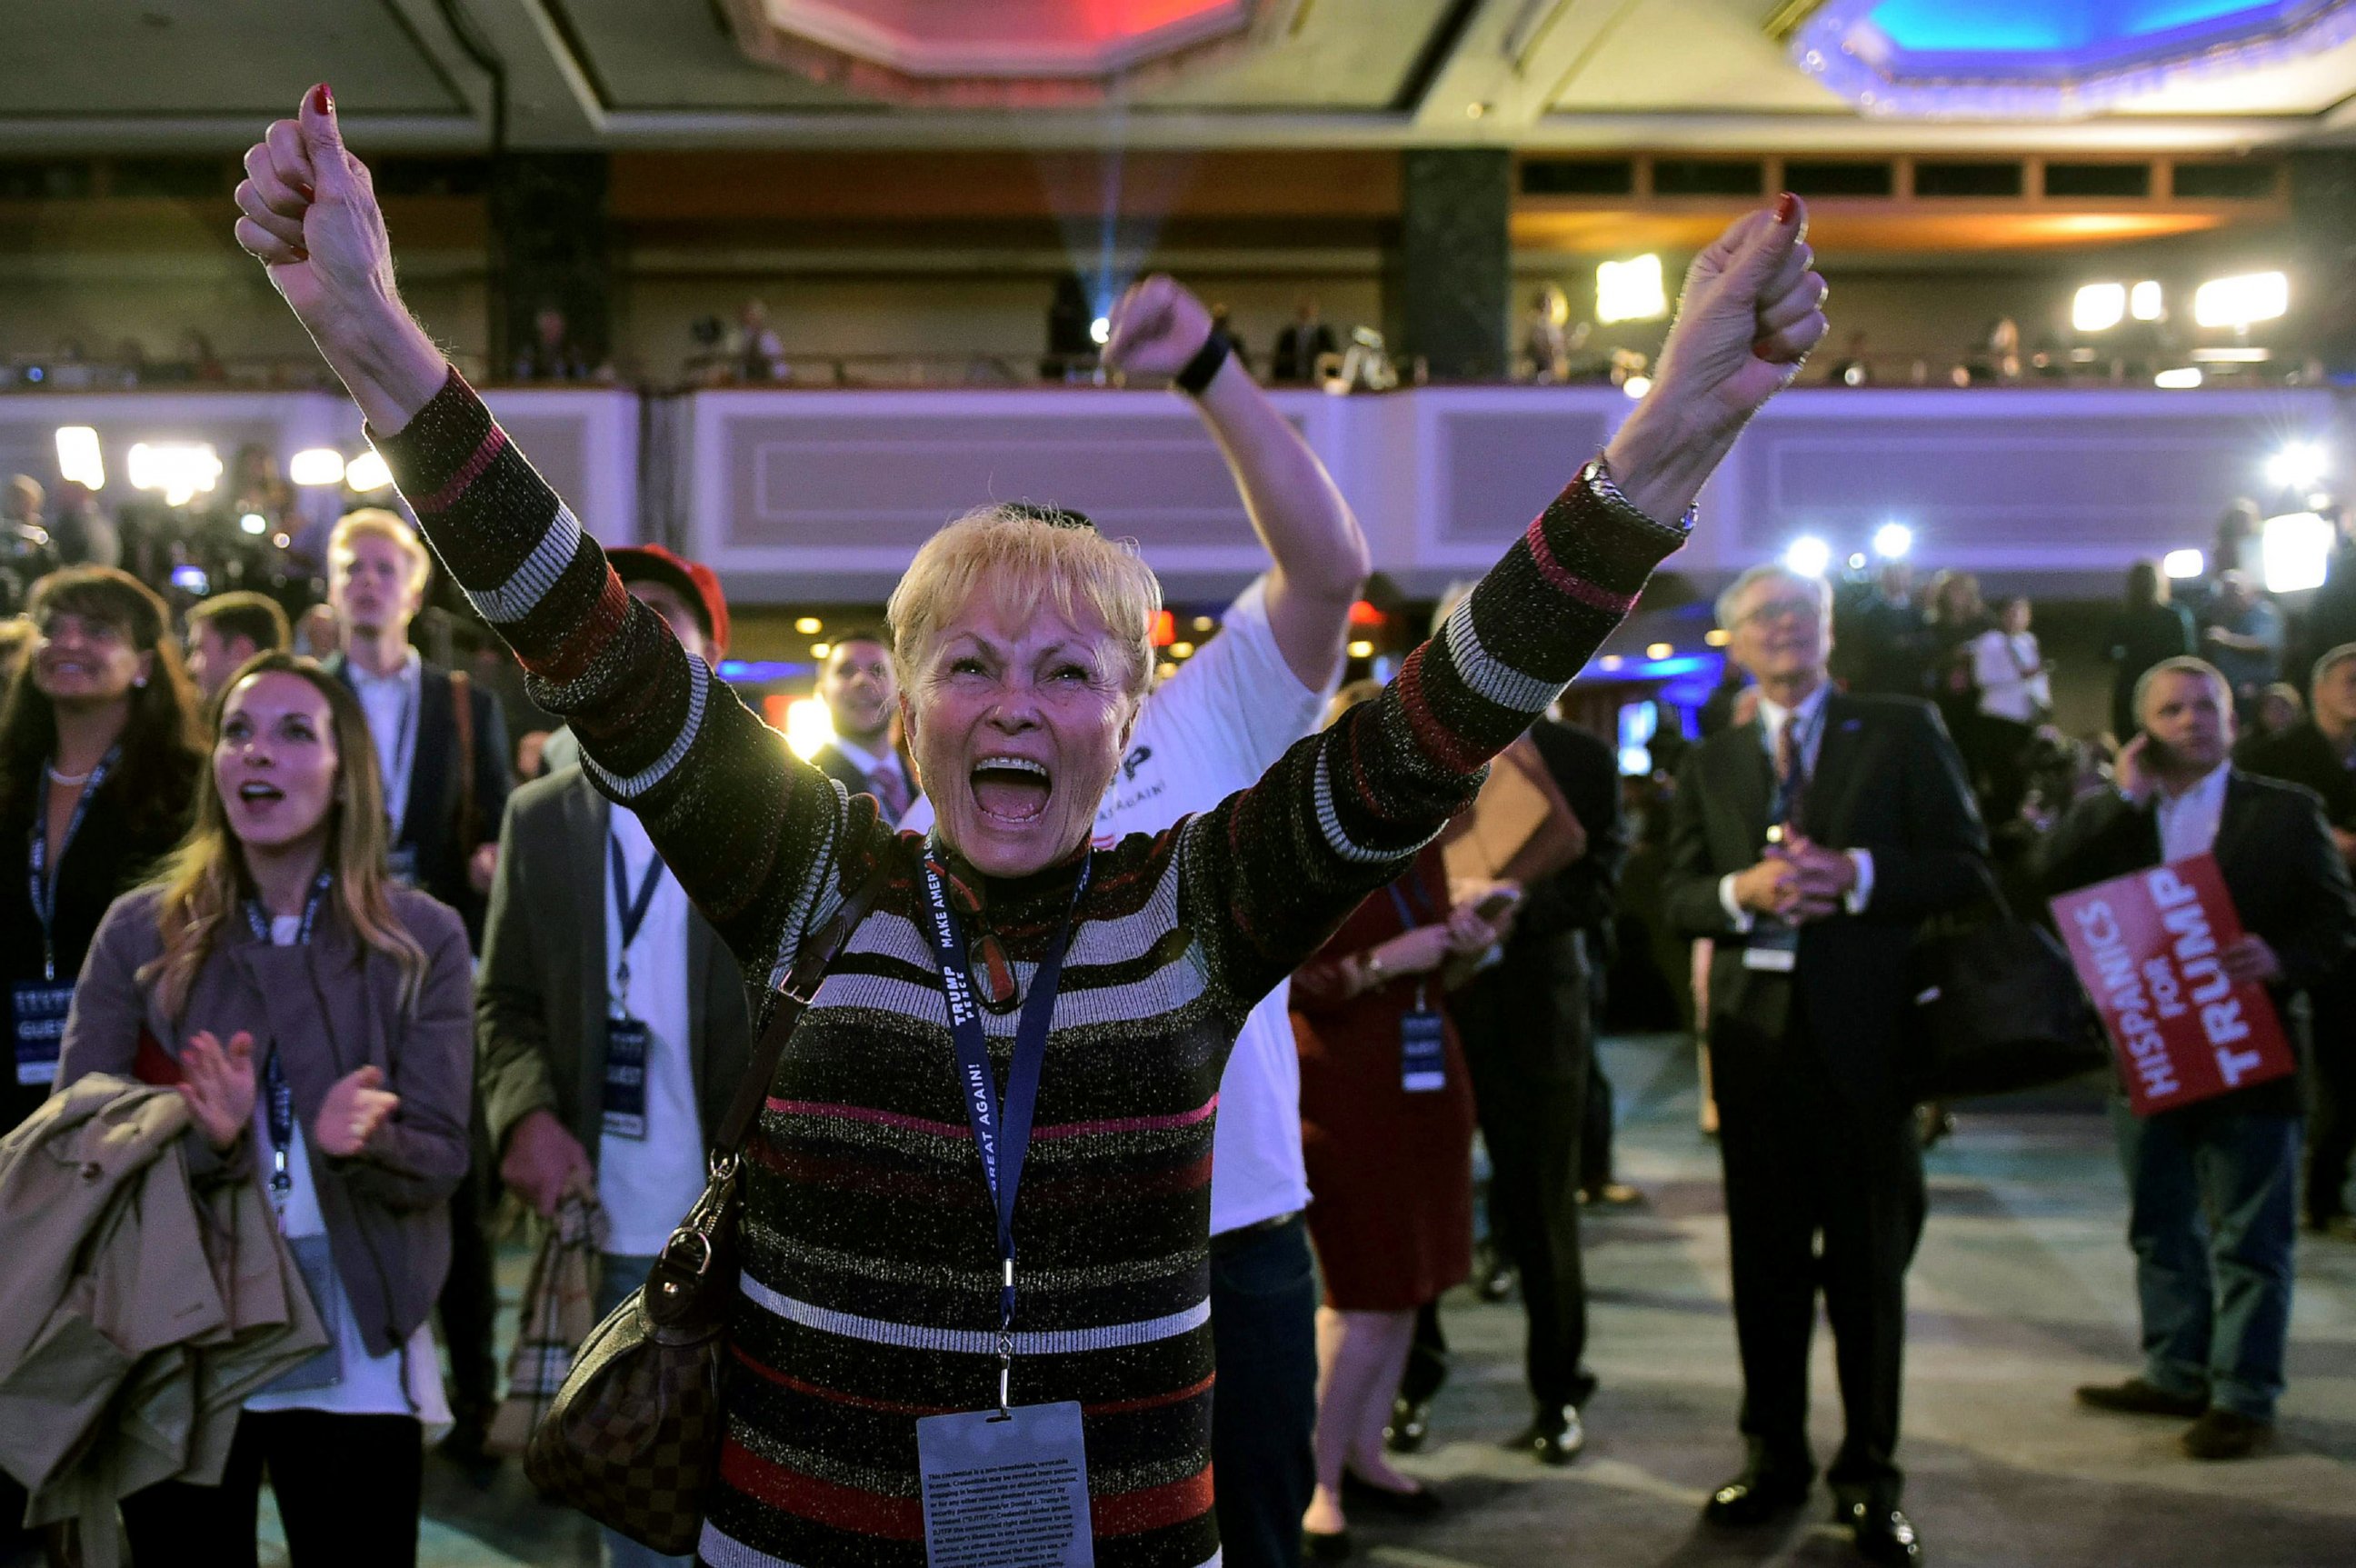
column 1151, row 1508
column 806, row 1497
column 570, row 657
column 1566, row 581
column 1150, row 1401
column 836, row 1396
column 1452, row 751
column 470, row 470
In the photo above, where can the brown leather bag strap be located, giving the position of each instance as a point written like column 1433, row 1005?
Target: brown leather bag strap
column 792, row 998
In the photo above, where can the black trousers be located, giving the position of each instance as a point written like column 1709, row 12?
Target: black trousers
column 1263, row 1406
column 2331, row 1131
column 1822, row 1193
column 469, row 1302
column 1528, row 1039
column 348, row 1490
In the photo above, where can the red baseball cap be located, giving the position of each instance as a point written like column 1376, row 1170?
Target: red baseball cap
column 692, row 580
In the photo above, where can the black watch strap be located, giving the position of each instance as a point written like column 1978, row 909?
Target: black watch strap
column 1197, row 374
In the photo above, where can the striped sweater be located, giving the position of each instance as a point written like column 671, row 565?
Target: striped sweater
column 869, row 1293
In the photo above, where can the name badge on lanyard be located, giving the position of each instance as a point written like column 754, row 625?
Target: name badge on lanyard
column 1005, row 1487
column 1423, row 1033
column 38, row 1009
column 629, row 1041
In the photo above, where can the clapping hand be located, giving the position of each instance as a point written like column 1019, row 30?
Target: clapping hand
column 1156, row 327
column 216, row 1085
column 1824, row 877
column 355, row 1108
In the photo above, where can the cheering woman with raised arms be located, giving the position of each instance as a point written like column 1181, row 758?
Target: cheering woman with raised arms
column 1103, row 989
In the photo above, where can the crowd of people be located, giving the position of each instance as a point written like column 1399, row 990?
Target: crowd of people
column 296, row 957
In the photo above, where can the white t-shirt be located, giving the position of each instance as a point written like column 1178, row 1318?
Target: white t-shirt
column 1208, row 731
column 407, row 1382
column 2010, row 673
column 648, row 1184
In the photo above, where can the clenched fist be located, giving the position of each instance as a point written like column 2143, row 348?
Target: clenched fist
column 1156, row 327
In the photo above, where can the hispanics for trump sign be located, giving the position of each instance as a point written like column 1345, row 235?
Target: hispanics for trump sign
column 2146, row 946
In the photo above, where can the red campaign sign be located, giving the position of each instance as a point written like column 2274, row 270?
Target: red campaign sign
column 2145, row 947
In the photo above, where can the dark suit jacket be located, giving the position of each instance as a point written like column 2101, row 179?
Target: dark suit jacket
column 1887, row 780
column 2301, row 756
column 430, row 827
column 829, row 760
column 539, row 999
column 2286, row 876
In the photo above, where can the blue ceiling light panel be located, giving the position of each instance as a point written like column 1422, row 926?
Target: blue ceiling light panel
column 2046, row 58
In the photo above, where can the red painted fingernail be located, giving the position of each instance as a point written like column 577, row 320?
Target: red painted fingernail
column 301, row 254
column 303, row 190
column 1786, row 205
column 1759, row 350
column 322, row 100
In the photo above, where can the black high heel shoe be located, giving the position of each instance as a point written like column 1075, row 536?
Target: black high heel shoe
column 1325, row 1545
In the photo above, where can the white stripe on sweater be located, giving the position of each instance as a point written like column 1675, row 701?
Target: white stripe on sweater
column 1489, row 675
column 974, row 1341
column 513, row 599
column 698, row 684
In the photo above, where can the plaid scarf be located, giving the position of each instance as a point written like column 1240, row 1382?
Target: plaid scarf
column 556, row 1318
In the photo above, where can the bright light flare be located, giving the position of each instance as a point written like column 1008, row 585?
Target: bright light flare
column 2295, row 550
column 1637, row 386
column 1891, row 541
column 2146, row 302
column 1658, row 651
column 2242, row 301
column 1808, row 556
column 367, row 472
column 2297, row 467
column 2099, row 306
column 2181, row 564
column 1100, row 332
column 78, row 459
column 316, row 467
column 1631, row 291
column 2184, row 378
column 808, row 726
column 182, row 471
column 253, row 522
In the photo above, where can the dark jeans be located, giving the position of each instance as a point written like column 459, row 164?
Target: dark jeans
column 1264, row 1407
column 470, row 1303
column 1529, row 1040
column 1822, row 1191
column 348, row 1490
column 1595, row 1138
column 2213, row 1218
column 2331, row 1136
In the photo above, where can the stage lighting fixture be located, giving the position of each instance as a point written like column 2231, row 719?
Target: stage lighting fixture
column 1808, row 556
column 1856, row 560
column 1631, row 291
column 2182, row 564
column 1718, row 637
column 1361, row 648
column 367, row 472
column 1101, row 330
column 2295, row 550
column 2145, row 301
column 1637, row 386
column 2239, row 302
column 1891, row 541
column 808, row 726
column 807, row 625
column 2184, row 378
column 1658, row 651
column 316, row 467
column 2296, row 466
column 2099, row 306
column 180, row 470
column 78, row 458
column 253, row 522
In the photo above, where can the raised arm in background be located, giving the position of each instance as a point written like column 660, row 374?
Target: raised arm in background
column 756, row 839
column 1319, row 557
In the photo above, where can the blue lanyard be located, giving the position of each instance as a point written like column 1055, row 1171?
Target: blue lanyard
column 631, row 912
column 44, row 890
column 1002, row 1129
column 1409, row 918
column 279, row 1092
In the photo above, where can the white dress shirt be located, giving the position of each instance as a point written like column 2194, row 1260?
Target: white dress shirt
column 391, row 702
column 1808, row 712
column 2188, row 821
column 647, row 1184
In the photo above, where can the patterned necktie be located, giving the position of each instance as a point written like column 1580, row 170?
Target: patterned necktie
column 1791, row 774
column 891, row 791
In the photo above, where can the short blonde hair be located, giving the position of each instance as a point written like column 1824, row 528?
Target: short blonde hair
column 375, row 522
column 1032, row 559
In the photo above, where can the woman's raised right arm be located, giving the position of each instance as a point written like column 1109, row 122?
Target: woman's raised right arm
column 755, row 836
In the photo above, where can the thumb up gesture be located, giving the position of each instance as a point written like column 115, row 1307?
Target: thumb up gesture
column 310, row 216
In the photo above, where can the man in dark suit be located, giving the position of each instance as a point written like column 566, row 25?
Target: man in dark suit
column 859, row 691
column 442, row 749
column 2211, row 1187
column 2320, row 753
column 1810, row 844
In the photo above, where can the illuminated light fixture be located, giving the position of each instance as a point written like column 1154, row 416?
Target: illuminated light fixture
column 821, row 650
column 1165, row 629
column 1610, row 662
column 182, row 471
column 1718, row 637
column 315, row 465
column 807, row 625
column 1891, row 541
column 78, row 459
column 2239, row 302
column 1631, row 291
column 2182, row 379
column 367, row 472
column 2145, row 301
column 1100, row 332
column 1182, row 651
column 2181, row 564
column 1475, row 110
column 1205, row 623
column 1808, row 556
column 1856, row 560
column 253, row 522
column 2296, row 466
column 1361, row 649
column 2233, row 356
column 1658, row 651
column 1364, row 613
column 2296, row 551
column 1164, row 671
column 808, row 726
column 2099, row 306
column 1636, row 386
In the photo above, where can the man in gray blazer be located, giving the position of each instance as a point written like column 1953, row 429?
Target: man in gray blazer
column 610, row 1019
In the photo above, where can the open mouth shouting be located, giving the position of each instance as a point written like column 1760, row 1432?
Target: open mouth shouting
column 255, row 797
column 1012, row 790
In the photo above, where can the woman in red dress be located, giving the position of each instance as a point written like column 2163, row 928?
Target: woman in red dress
column 1387, row 1124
